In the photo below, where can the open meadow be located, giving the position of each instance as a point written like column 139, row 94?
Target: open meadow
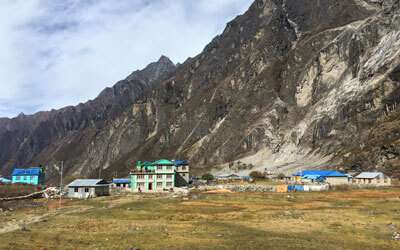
column 354, row 219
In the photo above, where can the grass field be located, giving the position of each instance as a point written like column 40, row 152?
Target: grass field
column 358, row 219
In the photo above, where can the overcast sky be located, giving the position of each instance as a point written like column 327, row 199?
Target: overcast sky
column 55, row 53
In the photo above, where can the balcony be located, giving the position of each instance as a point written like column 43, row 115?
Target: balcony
column 143, row 171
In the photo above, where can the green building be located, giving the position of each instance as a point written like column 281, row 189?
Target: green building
column 155, row 176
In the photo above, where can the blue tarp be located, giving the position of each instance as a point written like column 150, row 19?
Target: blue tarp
column 295, row 188
column 299, row 187
column 26, row 171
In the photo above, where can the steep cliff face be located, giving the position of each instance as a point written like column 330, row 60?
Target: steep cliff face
column 90, row 136
column 289, row 84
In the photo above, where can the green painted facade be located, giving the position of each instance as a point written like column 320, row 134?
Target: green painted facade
column 153, row 177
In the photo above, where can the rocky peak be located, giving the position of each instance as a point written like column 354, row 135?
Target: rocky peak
column 155, row 70
column 288, row 84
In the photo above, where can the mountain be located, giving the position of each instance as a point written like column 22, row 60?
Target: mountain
column 289, row 84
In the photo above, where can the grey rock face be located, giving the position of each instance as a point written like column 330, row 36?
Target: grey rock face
column 289, row 84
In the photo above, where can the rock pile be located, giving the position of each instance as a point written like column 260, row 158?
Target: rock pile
column 238, row 188
column 51, row 193
column 251, row 188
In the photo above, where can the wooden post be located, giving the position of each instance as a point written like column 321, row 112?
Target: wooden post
column 61, row 181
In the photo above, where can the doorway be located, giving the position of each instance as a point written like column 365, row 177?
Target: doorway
column 150, row 186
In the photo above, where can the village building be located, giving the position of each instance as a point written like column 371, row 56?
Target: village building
column 4, row 180
column 282, row 178
column 88, row 188
column 33, row 176
column 182, row 173
column 331, row 177
column 232, row 177
column 155, row 176
column 122, row 184
column 372, row 179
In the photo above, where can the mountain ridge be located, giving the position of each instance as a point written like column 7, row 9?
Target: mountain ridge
column 288, row 84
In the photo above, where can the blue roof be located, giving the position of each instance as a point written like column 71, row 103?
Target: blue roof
column 180, row 162
column 26, row 171
column 320, row 173
column 121, row 181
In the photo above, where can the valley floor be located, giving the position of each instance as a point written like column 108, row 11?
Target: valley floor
column 357, row 219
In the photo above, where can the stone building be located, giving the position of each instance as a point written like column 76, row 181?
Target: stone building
column 372, row 179
column 182, row 173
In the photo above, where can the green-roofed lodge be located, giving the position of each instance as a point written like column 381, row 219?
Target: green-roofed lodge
column 157, row 176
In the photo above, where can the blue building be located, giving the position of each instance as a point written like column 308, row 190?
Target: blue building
column 121, row 183
column 32, row 176
column 331, row 177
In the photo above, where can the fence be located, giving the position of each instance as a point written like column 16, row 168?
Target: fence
column 11, row 190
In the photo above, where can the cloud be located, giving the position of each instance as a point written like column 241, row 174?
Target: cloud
column 55, row 53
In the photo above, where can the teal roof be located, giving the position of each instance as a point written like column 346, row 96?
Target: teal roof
column 147, row 163
column 163, row 162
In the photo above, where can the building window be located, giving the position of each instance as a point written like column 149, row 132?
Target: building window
column 76, row 190
column 169, row 184
column 183, row 167
column 369, row 181
column 140, row 177
column 159, row 167
column 159, row 184
column 159, row 176
column 169, row 167
column 86, row 190
column 169, row 177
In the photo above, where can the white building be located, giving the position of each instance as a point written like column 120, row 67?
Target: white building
column 88, row 188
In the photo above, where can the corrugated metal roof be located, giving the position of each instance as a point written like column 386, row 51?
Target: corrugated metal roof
column 163, row 162
column 4, row 180
column 122, row 181
column 369, row 175
column 26, row 171
column 88, row 183
column 180, row 162
column 321, row 173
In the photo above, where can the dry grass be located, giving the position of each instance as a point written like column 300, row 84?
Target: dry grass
column 358, row 219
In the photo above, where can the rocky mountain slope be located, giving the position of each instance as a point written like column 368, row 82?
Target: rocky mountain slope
column 289, row 84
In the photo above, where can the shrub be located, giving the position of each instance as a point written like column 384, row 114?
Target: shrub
column 207, row 177
column 281, row 176
column 257, row 175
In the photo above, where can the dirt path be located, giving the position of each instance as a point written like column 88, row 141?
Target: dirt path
column 14, row 225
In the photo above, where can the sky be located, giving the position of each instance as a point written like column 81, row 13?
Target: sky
column 55, row 53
